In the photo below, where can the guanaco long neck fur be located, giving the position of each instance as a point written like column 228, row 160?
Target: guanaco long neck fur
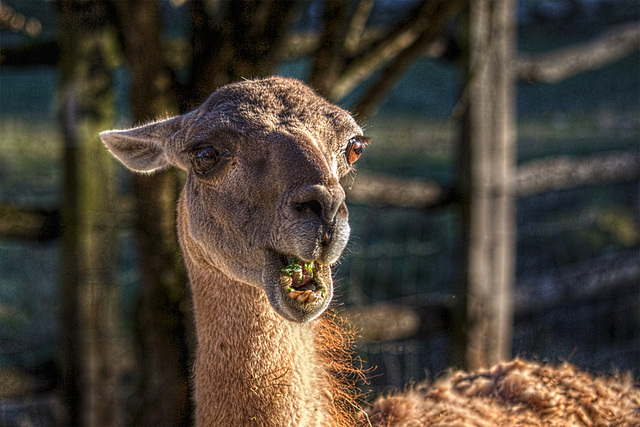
column 252, row 366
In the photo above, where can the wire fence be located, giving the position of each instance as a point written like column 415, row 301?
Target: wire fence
column 573, row 301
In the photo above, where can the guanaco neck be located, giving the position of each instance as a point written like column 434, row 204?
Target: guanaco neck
column 252, row 366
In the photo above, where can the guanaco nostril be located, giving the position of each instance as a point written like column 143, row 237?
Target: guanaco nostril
column 312, row 206
column 320, row 201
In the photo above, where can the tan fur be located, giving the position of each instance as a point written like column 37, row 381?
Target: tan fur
column 335, row 345
column 516, row 393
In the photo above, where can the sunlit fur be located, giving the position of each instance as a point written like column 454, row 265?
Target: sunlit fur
column 516, row 393
column 335, row 341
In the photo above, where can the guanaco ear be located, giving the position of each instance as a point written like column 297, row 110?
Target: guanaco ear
column 141, row 149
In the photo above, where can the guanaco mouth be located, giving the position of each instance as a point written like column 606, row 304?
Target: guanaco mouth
column 300, row 285
column 298, row 290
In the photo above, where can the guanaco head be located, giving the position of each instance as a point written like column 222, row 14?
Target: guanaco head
column 262, row 201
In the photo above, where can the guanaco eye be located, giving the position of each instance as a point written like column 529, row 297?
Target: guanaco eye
column 203, row 159
column 353, row 150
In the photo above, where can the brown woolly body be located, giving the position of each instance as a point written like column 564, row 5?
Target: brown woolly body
column 516, row 393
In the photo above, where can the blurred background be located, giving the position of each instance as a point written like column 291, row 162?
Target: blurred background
column 496, row 213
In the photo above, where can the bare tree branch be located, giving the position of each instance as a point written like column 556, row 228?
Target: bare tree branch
column 603, row 275
column 330, row 57
column 441, row 14
column 17, row 22
column 397, row 40
column 595, row 276
column 29, row 223
column 305, row 43
column 554, row 66
column 391, row 45
column 45, row 53
column 357, row 23
column 386, row 190
column 535, row 177
column 563, row 172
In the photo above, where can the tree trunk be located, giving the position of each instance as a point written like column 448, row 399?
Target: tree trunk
column 234, row 40
column 163, row 315
column 329, row 60
column 89, row 296
column 484, row 316
column 163, row 321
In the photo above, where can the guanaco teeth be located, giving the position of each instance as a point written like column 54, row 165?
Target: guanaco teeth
column 296, row 276
column 304, row 297
column 294, row 294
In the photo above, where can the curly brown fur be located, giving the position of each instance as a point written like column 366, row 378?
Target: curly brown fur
column 516, row 393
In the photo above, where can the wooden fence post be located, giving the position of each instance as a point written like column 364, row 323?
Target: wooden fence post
column 487, row 161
